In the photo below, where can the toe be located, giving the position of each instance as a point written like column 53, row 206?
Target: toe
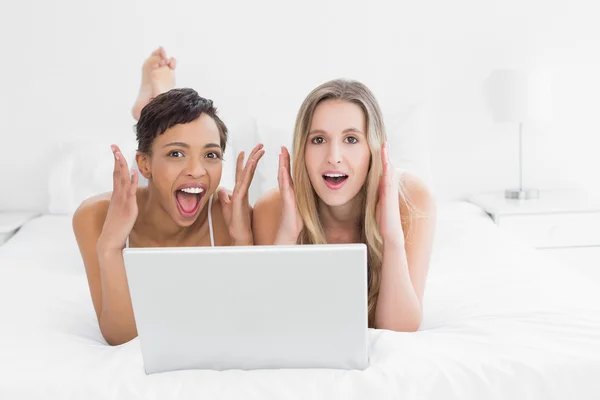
column 153, row 62
column 163, row 54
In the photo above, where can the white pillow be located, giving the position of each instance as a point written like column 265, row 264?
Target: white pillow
column 408, row 140
column 242, row 137
column 24, row 172
column 273, row 133
column 84, row 170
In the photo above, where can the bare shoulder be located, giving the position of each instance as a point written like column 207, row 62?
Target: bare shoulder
column 418, row 211
column 416, row 198
column 265, row 217
column 216, row 203
column 269, row 205
column 91, row 213
column 270, row 199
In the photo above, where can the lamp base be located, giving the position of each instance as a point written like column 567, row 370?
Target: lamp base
column 522, row 194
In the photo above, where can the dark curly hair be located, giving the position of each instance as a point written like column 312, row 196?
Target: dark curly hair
column 177, row 106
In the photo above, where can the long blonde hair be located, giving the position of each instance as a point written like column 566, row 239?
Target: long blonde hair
column 306, row 197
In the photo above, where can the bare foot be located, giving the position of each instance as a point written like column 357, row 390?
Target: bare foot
column 158, row 76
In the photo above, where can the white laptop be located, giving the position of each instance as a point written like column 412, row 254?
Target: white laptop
column 255, row 307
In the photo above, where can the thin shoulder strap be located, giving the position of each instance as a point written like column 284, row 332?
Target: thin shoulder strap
column 210, row 224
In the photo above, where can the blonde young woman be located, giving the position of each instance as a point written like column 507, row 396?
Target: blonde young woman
column 344, row 189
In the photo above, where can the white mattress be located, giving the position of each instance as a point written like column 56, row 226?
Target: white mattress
column 500, row 322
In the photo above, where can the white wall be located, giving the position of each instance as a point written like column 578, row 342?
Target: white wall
column 558, row 36
column 72, row 69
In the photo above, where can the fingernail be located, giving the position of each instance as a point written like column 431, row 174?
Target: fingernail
column 117, row 155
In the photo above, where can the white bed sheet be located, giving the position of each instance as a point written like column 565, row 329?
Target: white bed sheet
column 500, row 322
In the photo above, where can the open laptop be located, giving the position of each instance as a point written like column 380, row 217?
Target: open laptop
column 251, row 307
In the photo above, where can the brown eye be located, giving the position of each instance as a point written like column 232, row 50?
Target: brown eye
column 351, row 140
column 213, row 155
column 176, row 154
column 318, row 140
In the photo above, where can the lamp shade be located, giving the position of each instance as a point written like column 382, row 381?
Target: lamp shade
column 520, row 95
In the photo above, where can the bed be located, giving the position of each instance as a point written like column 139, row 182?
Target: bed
column 500, row 322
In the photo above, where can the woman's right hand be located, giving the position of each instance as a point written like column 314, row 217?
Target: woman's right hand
column 123, row 209
column 290, row 223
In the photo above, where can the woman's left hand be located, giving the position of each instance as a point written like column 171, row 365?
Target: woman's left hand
column 236, row 207
column 388, row 206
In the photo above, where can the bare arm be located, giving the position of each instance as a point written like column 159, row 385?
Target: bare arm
column 406, row 262
column 102, row 226
column 105, row 273
column 117, row 322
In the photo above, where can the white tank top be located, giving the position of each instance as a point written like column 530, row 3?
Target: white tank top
column 210, row 224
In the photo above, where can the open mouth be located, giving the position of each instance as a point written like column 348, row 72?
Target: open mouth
column 335, row 181
column 188, row 200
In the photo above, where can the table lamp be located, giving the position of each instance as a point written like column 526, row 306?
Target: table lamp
column 519, row 97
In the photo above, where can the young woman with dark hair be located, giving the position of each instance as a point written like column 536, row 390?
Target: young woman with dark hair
column 181, row 142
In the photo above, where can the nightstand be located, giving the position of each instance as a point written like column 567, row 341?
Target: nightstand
column 10, row 222
column 564, row 224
